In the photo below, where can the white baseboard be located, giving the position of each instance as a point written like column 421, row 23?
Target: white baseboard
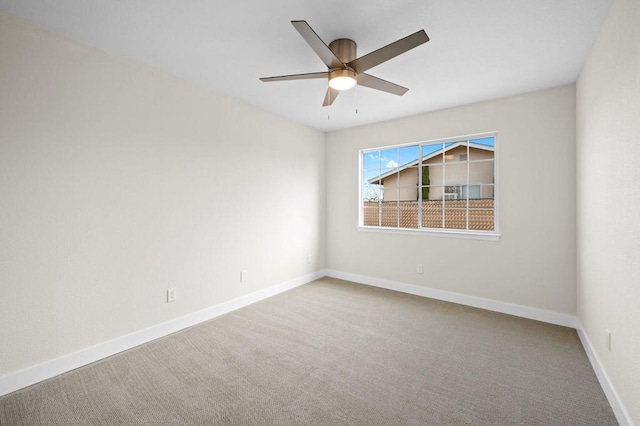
column 37, row 373
column 462, row 299
column 612, row 396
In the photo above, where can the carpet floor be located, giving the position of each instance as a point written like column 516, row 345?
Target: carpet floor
column 333, row 353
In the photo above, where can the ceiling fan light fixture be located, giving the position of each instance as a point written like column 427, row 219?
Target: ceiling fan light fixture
column 343, row 79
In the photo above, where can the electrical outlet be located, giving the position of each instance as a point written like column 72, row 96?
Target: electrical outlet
column 244, row 276
column 419, row 269
column 171, row 295
column 608, row 340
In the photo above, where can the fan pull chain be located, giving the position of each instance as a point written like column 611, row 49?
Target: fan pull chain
column 356, row 90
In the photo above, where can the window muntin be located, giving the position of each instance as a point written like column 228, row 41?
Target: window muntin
column 431, row 186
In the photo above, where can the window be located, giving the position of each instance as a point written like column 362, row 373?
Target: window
column 443, row 186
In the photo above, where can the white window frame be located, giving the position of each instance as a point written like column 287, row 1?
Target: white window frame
column 437, row 232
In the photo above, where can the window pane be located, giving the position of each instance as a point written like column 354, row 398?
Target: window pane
column 389, row 214
column 371, row 160
column 408, row 179
column 452, row 151
column 432, row 215
column 481, row 172
column 480, row 149
column 390, row 194
column 435, row 193
column 471, row 192
column 456, row 152
column 481, row 219
column 371, row 177
column 371, row 214
column 408, row 155
column 476, row 154
column 487, row 142
column 432, row 154
column 408, row 214
column 432, row 208
column 389, row 180
column 455, row 215
column 371, row 193
column 487, row 193
column 453, row 192
column 455, row 174
column 386, row 171
column 389, row 158
column 436, row 176
column 408, row 193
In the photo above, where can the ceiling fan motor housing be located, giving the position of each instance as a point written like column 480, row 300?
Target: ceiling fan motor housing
column 344, row 49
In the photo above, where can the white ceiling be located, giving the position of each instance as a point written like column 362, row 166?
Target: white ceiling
column 479, row 50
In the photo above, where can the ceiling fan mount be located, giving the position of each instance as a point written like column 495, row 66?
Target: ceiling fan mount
column 345, row 49
column 344, row 68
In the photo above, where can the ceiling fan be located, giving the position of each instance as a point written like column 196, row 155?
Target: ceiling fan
column 345, row 70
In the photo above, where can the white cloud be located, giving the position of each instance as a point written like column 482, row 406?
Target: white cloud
column 392, row 164
column 373, row 157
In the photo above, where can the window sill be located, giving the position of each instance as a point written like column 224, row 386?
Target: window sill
column 469, row 235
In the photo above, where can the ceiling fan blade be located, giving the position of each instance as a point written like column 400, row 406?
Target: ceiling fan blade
column 331, row 96
column 316, row 43
column 380, row 84
column 389, row 51
column 306, row 76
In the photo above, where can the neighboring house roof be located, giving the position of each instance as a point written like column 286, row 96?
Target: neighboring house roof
column 378, row 179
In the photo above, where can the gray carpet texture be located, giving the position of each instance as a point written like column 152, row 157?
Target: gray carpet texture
column 333, row 353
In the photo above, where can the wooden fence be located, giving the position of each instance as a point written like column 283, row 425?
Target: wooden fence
column 453, row 214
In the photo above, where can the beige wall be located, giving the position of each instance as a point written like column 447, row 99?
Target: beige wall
column 118, row 182
column 533, row 263
column 608, row 152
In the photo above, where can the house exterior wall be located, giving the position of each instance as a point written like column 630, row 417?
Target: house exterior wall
column 455, row 172
column 401, row 186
